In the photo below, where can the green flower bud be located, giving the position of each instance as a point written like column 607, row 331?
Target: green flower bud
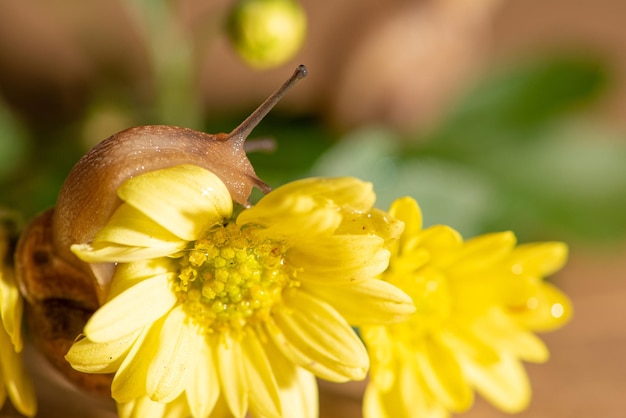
column 267, row 33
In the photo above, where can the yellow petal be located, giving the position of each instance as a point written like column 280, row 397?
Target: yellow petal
column 374, row 405
column 129, row 226
column 292, row 216
column 185, row 199
column 175, row 359
column 109, row 252
column 141, row 407
column 232, row 376
column 408, row 211
column 547, row 310
column 501, row 332
column 129, row 383
column 369, row 301
column 443, row 375
column 127, row 409
column 311, row 205
column 145, row 407
column 264, row 399
column 317, row 332
column 301, row 397
column 11, row 307
column 138, row 306
column 372, row 222
column 383, row 352
column 484, row 251
column 504, row 384
column 203, row 388
column 16, row 381
column 89, row 357
column 539, row 259
column 221, row 409
column 129, row 274
column 411, row 259
column 440, row 241
column 177, row 408
column 300, row 358
column 408, row 397
column 339, row 259
column 298, row 387
column 346, row 192
column 475, row 292
column 462, row 339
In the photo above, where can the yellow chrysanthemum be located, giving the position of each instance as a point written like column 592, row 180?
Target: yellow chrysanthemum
column 14, row 381
column 244, row 312
column 477, row 304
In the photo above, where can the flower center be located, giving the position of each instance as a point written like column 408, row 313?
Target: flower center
column 231, row 278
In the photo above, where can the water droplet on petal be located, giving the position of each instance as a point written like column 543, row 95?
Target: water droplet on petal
column 557, row 310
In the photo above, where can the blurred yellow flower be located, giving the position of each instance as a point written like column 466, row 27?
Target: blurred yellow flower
column 14, row 381
column 239, row 313
column 477, row 304
column 267, row 33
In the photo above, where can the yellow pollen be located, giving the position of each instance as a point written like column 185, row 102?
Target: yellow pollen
column 231, row 278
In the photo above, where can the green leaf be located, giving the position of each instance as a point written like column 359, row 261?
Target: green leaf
column 571, row 181
column 14, row 143
column 171, row 54
column 516, row 105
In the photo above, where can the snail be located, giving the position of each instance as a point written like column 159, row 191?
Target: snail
column 62, row 292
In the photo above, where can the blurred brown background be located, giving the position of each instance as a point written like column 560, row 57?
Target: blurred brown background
column 398, row 61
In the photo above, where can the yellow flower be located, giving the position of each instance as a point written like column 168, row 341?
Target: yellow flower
column 267, row 33
column 14, row 381
column 477, row 304
column 242, row 311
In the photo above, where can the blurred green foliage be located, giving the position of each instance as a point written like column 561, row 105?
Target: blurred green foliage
column 518, row 103
column 514, row 154
column 14, row 142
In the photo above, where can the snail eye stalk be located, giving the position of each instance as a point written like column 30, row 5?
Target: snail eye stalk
column 243, row 130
